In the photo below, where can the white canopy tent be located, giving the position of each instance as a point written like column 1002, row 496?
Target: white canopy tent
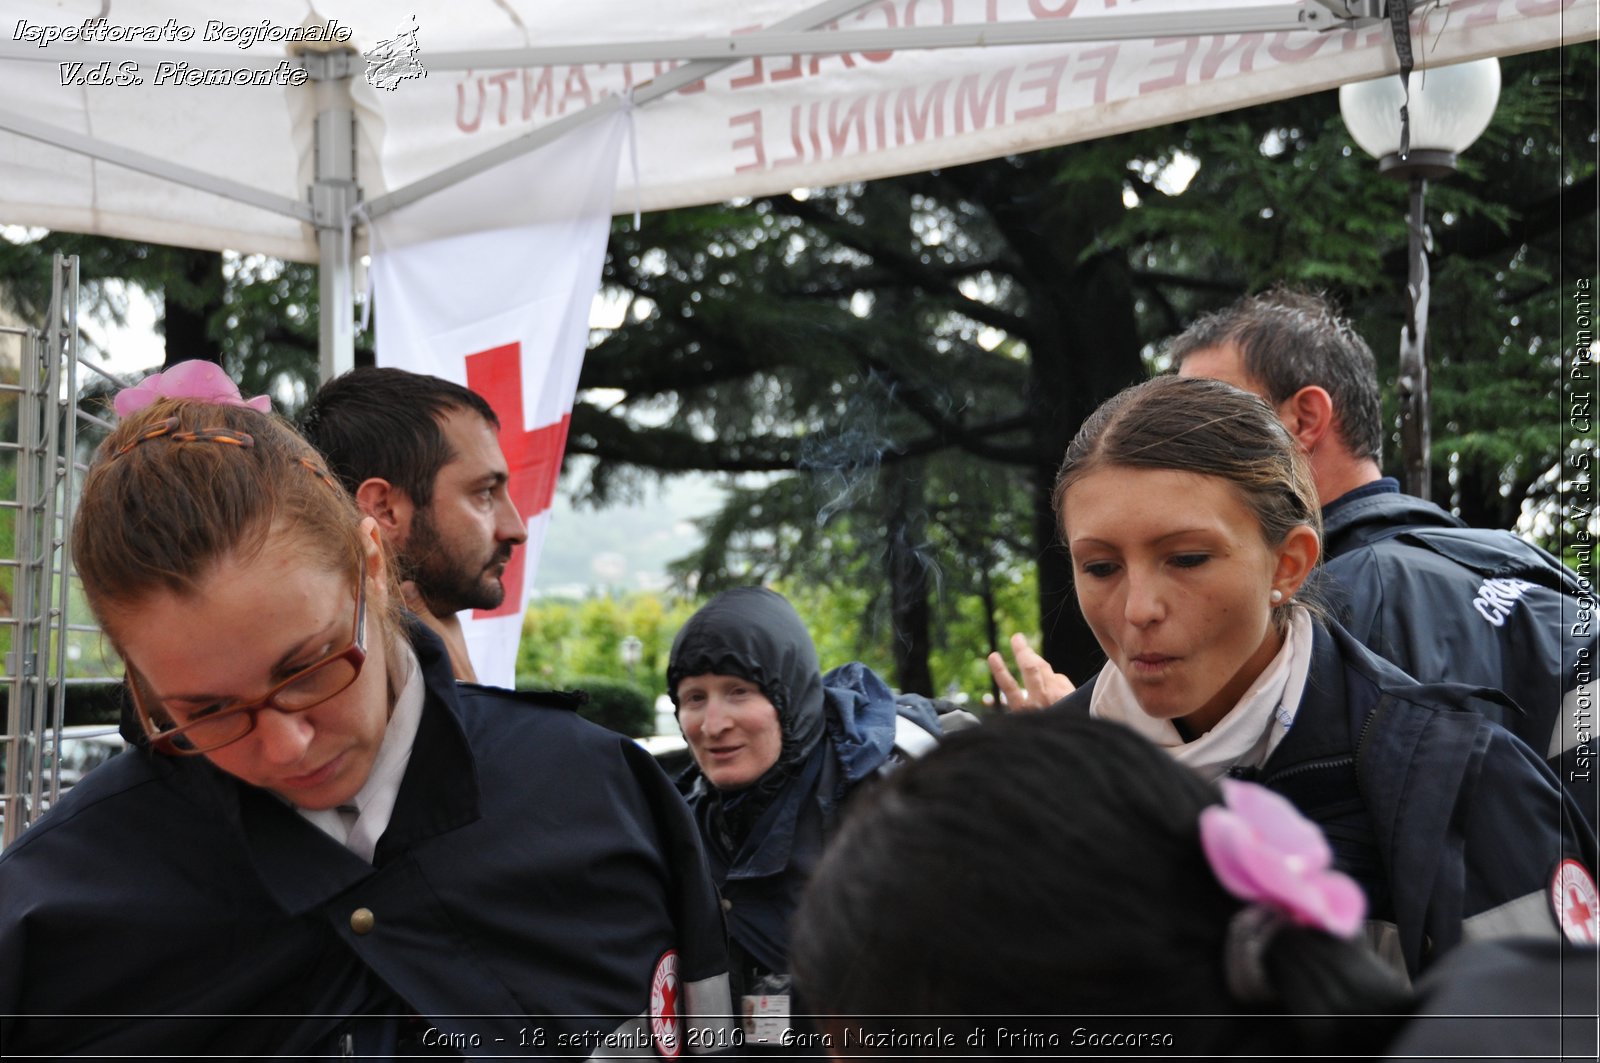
column 111, row 120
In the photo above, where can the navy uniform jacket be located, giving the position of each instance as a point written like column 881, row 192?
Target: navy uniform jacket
column 1506, row 1000
column 1448, row 603
column 536, row 872
column 1452, row 826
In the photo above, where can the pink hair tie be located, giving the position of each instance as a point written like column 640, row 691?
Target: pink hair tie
column 1265, row 852
column 198, row 380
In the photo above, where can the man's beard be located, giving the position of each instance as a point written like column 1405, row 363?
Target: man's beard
column 447, row 581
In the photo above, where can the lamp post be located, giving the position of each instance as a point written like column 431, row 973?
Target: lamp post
column 1417, row 136
column 631, row 650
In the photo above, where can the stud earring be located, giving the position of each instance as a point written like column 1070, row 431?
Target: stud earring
column 1277, row 596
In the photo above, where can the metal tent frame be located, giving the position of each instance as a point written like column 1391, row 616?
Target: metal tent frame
column 37, row 663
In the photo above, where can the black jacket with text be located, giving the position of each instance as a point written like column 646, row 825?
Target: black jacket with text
column 1449, row 603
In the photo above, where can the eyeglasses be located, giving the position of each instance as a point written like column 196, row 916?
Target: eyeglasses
column 306, row 689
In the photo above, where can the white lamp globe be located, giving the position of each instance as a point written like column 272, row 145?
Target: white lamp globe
column 1450, row 108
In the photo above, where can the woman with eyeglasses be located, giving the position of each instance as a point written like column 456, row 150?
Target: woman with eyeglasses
column 323, row 845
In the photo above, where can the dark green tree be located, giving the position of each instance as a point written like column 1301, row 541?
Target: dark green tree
column 1282, row 195
column 809, row 334
column 1033, row 289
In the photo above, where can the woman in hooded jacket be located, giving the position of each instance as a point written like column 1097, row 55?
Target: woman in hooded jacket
column 778, row 749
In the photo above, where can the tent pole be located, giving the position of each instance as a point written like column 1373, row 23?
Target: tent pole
column 336, row 336
column 1288, row 16
column 334, row 194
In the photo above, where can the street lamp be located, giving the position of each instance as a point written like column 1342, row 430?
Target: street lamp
column 631, row 650
column 1418, row 139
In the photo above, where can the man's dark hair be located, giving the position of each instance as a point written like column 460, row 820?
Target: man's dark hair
column 1292, row 339
column 386, row 423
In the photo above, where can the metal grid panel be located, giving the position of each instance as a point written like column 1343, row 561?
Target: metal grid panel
column 38, row 631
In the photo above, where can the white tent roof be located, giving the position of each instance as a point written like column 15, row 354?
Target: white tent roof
column 728, row 99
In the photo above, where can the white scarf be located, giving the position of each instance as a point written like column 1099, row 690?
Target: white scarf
column 358, row 825
column 1251, row 730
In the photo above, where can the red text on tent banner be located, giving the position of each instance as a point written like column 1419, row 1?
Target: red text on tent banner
column 532, row 455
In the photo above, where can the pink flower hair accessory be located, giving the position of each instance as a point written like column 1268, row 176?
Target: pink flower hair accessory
column 1265, row 852
column 198, row 380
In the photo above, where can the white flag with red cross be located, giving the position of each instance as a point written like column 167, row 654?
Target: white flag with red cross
column 489, row 284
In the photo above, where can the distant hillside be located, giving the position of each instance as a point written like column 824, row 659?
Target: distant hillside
column 623, row 547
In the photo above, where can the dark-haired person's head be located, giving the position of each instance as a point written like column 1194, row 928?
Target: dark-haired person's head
column 1308, row 362
column 422, row 456
column 1046, row 867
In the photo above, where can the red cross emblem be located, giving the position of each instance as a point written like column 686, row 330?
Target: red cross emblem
column 664, row 989
column 1576, row 902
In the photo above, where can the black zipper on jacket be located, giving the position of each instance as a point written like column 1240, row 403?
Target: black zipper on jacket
column 1310, row 765
column 1366, row 729
column 1339, row 761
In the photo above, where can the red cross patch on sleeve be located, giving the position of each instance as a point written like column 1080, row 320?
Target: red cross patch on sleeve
column 1576, row 902
column 665, row 1025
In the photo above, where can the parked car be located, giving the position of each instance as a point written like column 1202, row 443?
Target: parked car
column 670, row 751
column 85, row 747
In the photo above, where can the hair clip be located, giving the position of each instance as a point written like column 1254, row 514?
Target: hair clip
column 169, row 427
column 160, row 428
column 198, row 380
column 215, row 435
column 319, row 472
column 1265, row 852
